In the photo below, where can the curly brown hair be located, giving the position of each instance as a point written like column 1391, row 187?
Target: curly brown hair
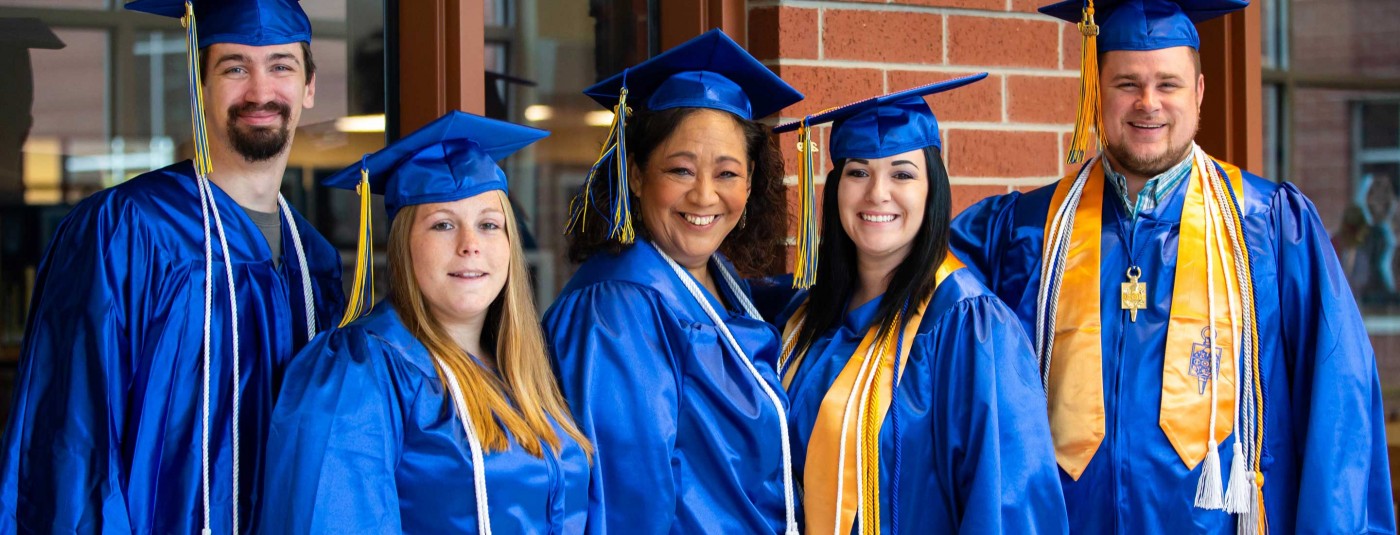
column 756, row 248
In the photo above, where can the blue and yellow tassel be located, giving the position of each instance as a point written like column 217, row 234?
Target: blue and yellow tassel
column 363, row 284
column 615, row 147
column 202, row 164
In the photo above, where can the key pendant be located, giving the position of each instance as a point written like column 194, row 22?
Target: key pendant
column 1134, row 293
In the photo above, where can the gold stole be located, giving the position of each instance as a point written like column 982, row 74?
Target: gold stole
column 1075, row 385
column 857, row 401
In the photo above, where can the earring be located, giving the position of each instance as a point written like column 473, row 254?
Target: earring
column 744, row 218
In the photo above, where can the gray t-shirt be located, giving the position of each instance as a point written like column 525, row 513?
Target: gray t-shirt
column 270, row 223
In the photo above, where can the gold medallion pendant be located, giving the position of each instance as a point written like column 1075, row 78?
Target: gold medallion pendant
column 1134, row 293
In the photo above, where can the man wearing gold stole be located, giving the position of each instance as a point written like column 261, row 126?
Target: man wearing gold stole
column 1204, row 361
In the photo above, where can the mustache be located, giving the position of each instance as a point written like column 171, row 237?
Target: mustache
column 280, row 108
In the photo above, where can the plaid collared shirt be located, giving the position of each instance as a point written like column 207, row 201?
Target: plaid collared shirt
column 1152, row 192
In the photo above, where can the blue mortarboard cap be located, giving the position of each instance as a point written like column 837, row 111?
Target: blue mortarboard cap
column 1146, row 24
column 453, row 157
column 244, row 22
column 885, row 125
column 709, row 71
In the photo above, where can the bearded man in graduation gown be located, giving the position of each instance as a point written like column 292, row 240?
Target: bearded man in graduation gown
column 166, row 306
column 1205, row 363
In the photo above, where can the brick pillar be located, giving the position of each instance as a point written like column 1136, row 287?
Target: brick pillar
column 1008, row 132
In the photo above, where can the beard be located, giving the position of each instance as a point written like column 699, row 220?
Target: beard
column 259, row 144
column 1147, row 165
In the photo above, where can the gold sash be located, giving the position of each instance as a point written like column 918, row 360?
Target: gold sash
column 857, row 403
column 1075, row 385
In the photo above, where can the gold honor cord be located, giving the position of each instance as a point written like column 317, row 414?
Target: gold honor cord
column 202, row 164
column 364, row 256
column 805, row 263
column 1088, row 115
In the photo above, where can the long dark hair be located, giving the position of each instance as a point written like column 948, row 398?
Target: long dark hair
column 756, row 248
column 911, row 282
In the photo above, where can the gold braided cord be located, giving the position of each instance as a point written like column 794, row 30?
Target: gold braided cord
column 870, row 432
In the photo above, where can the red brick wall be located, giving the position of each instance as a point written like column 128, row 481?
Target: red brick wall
column 1007, row 132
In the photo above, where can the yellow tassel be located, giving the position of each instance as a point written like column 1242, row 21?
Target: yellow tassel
column 805, row 264
column 1088, row 116
column 364, row 256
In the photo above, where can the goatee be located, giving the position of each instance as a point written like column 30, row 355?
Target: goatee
column 261, row 143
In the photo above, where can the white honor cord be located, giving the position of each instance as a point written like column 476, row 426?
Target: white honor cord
column 306, row 292
column 690, row 284
column 483, row 509
column 1048, row 294
column 209, row 204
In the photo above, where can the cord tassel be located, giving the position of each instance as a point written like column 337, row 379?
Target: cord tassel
column 1088, row 116
column 1237, row 494
column 614, row 153
column 805, row 264
column 364, row 253
column 1208, row 493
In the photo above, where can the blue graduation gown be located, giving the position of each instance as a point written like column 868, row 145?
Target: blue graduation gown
column 1324, row 459
column 685, row 439
column 976, row 455
column 105, row 433
column 366, row 439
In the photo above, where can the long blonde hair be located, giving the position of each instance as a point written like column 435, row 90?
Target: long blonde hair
column 512, row 326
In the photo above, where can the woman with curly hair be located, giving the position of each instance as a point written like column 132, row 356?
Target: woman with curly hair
column 665, row 364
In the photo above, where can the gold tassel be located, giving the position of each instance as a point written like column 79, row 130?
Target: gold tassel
column 1088, row 116
column 364, row 255
column 805, row 263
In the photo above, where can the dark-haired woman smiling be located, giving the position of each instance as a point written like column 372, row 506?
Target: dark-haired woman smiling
column 665, row 364
column 915, row 403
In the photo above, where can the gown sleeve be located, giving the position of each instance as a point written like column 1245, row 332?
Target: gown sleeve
column 619, row 374
column 1344, row 474
column 978, row 235
column 335, row 440
column 62, row 456
column 1000, row 456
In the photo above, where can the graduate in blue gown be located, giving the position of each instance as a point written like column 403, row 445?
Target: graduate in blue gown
column 1138, row 267
column 436, row 412
column 915, row 403
column 666, row 366
column 142, row 399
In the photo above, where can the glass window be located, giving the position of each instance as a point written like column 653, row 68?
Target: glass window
column 547, row 53
column 1332, row 126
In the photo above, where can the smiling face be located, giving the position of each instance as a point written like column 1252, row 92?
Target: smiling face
column 1151, row 108
column 253, row 97
column 694, row 187
column 882, row 204
column 460, row 255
